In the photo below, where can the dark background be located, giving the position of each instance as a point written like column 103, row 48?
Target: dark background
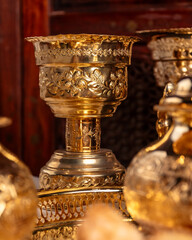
column 35, row 133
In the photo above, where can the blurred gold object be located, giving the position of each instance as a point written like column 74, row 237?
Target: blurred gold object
column 158, row 188
column 18, row 198
column 163, row 120
column 172, row 53
column 83, row 78
column 4, row 122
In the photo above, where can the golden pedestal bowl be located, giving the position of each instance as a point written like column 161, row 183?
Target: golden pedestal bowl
column 82, row 78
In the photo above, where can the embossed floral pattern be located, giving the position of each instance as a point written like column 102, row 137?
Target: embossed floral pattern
column 117, row 85
column 79, row 83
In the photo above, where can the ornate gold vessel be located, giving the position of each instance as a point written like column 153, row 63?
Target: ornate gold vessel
column 18, row 198
column 172, row 54
column 82, row 78
column 158, row 182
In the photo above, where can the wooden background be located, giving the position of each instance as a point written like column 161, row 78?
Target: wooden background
column 35, row 133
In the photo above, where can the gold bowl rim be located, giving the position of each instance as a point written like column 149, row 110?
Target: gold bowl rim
column 45, row 193
column 83, row 38
column 168, row 31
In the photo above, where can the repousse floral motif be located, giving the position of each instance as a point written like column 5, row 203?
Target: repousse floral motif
column 79, row 83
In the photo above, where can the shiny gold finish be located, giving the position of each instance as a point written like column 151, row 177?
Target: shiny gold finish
column 90, row 48
column 169, row 31
column 158, row 182
column 18, row 197
column 73, row 203
column 163, row 120
column 83, row 135
column 83, row 75
column 184, row 144
column 82, row 78
column 63, row 232
column 83, row 91
column 63, row 209
column 73, row 170
column 172, row 53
